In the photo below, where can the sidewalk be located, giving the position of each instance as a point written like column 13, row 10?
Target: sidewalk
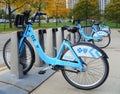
column 56, row 84
column 9, row 84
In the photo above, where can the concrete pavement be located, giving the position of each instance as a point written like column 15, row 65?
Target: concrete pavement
column 3, row 39
column 56, row 84
column 9, row 84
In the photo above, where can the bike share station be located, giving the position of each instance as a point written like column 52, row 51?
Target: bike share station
column 14, row 80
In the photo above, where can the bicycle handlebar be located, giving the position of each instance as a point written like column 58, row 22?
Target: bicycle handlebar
column 26, row 15
column 92, row 21
column 33, row 17
column 38, row 13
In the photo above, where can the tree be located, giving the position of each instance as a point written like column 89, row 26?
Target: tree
column 112, row 12
column 37, row 5
column 1, row 13
column 57, row 9
column 86, row 9
column 12, row 6
column 49, row 6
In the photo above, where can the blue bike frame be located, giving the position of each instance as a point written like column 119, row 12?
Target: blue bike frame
column 29, row 32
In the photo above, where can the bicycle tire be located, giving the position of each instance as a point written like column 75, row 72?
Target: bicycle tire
column 104, row 42
column 90, row 79
column 30, row 51
column 76, row 39
column 108, row 30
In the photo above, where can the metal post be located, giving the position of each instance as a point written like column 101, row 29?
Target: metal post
column 49, row 42
column 40, row 34
column 87, row 30
column 54, row 41
column 59, row 38
column 16, row 67
column 73, row 37
column 42, row 43
column 62, row 29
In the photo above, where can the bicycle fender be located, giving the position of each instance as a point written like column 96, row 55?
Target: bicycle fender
column 94, row 47
column 105, row 29
column 100, row 33
column 85, row 50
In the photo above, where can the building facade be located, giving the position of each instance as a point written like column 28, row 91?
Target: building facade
column 70, row 3
column 102, row 4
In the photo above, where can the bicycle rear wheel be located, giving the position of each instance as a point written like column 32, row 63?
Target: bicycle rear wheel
column 104, row 42
column 96, row 73
column 27, row 60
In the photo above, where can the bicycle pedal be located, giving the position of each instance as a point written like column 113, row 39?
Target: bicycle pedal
column 42, row 72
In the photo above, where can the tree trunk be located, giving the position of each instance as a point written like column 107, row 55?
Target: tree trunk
column 9, row 14
column 39, row 21
column 39, row 9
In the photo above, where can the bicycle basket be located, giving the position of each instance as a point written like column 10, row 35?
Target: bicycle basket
column 19, row 21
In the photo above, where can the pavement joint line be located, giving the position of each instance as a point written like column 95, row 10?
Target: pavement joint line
column 15, row 86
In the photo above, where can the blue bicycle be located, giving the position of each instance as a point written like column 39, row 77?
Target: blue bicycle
column 102, row 27
column 83, row 65
column 100, row 38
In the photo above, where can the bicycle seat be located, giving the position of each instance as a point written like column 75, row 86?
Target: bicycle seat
column 72, row 29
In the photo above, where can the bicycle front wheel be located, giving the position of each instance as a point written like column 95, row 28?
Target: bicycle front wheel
column 27, row 60
column 96, row 73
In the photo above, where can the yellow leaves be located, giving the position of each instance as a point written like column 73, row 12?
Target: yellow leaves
column 56, row 8
column 51, row 7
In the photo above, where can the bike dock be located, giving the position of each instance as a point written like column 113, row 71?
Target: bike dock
column 12, row 81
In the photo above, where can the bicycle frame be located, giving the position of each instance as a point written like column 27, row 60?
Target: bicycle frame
column 29, row 32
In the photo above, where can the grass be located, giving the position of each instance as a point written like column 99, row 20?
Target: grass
column 112, row 25
column 5, row 27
